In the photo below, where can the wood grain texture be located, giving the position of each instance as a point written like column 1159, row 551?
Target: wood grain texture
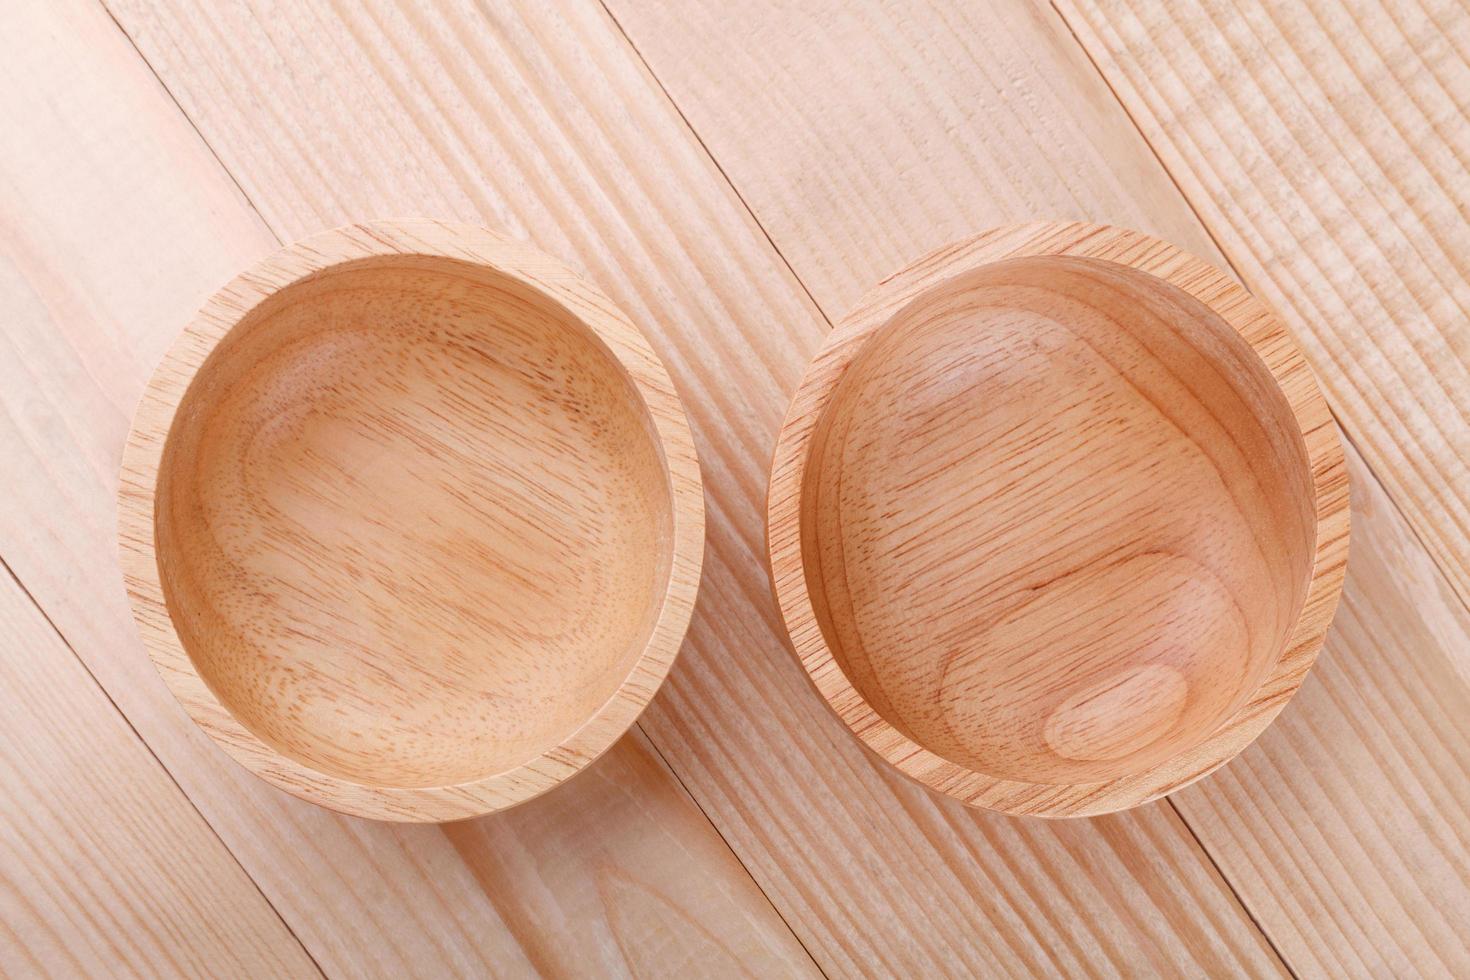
column 1345, row 826
column 902, row 127
column 1352, row 801
column 1325, row 147
column 108, row 869
column 1058, row 519
column 626, row 887
column 118, row 225
column 411, row 520
column 543, row 122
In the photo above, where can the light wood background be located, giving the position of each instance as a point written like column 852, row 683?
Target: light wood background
column 733, row 174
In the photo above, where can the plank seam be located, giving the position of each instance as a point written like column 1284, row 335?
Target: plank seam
column 1250, row 913
column 733, row 853
column 1228, row 884
column 663, row 90
column 709, row 154
column 163, row 86
column 1230, row 265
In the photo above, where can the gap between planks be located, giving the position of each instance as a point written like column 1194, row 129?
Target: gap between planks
column 683, row 788
column 1230, row 266
column 1246, row 847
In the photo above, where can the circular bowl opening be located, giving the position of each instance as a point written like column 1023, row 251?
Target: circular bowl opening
column 1057, row 525
column 415, row 528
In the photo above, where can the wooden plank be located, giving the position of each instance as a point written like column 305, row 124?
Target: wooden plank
column 117, row 222
column 1325, row 146
column 645, row 894
column 1353, row 803
column 902, row 127
column 1344, row 201
column 544, row 122
column 1346, row 827
column 107, row 867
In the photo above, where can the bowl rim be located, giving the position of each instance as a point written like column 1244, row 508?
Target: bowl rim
column 1262, row 330
column 153, row 421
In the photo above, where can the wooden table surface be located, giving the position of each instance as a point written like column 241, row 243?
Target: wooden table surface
column 733, row 174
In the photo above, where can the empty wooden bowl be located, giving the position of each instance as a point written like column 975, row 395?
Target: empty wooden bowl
column 1058, row 519
column 411, row 521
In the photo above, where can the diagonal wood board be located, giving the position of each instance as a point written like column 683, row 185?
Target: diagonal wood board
column 733, row 176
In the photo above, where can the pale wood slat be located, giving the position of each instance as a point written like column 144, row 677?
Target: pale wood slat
column 612, row 876
column 865, row 135
column 1325, row 145
column 105, row 868
column 542, row 121
column 116, row 223
column 1346, row 827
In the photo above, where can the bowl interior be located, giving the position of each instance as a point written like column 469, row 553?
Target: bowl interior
column 1057, row 520
column 413, row 523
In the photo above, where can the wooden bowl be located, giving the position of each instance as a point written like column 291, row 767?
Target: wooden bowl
column 1058, row 519
column 411, row 521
